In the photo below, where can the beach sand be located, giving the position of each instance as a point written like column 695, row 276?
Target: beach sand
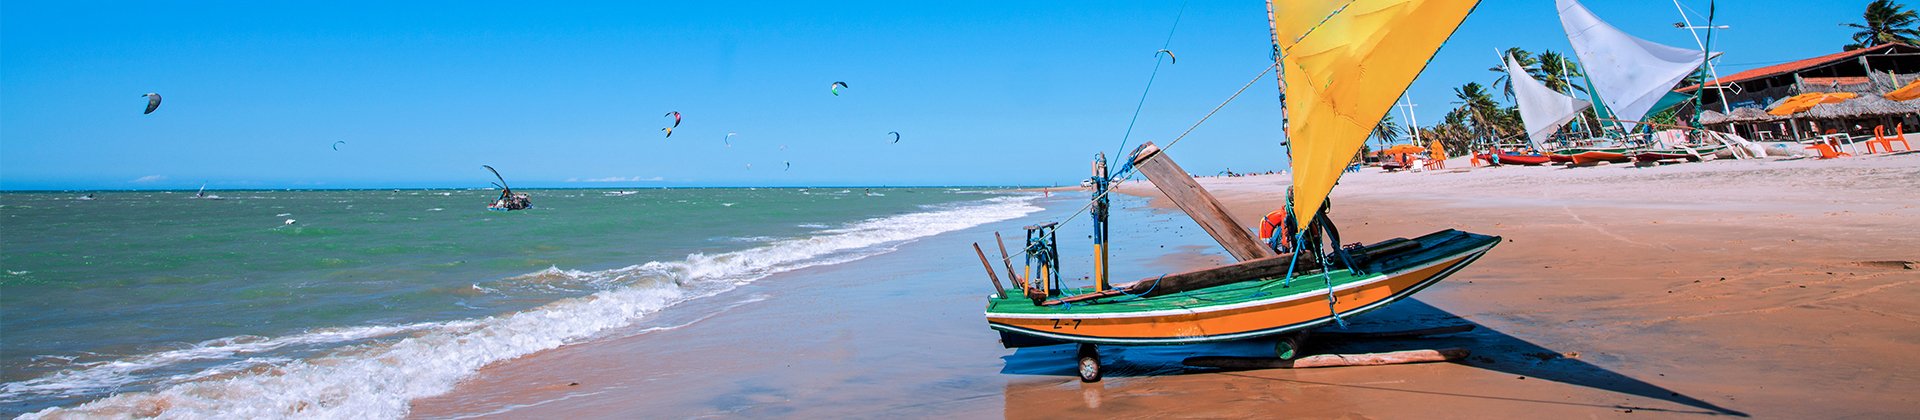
column 1727, row 288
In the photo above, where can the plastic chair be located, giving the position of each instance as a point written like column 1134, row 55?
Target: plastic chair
column 1827, row 150
column 1880, row 138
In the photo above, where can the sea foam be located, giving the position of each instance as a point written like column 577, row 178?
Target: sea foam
column 378, row 378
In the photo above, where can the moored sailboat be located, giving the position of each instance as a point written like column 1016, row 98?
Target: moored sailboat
column 1301, row 276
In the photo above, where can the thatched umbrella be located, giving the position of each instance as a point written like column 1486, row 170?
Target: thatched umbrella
column 1713, row 117
column 1752, row 114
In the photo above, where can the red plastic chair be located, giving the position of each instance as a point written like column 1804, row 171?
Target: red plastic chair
column 1880, row 138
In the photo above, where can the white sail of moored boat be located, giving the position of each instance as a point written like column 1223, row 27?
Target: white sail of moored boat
column 1630, row 74
column 1542, row 109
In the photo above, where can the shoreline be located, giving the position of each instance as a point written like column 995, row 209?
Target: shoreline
column 1742, row 285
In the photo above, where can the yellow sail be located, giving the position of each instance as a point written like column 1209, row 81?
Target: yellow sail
column 1343, row 64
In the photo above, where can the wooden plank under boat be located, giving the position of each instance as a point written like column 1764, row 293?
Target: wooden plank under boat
column 1239, row 310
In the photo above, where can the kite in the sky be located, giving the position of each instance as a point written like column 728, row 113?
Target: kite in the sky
column 896, row 136
column 153, row 102
column 1175, row 60
column 789, row 166
column 669, row 131
column 836, row 87
column 723, row 140
column 336, row 145
column 676, row 117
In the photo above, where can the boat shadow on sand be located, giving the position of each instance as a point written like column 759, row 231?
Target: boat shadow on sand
column 1492, row 350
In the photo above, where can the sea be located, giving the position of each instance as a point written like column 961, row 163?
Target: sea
column 351, row 303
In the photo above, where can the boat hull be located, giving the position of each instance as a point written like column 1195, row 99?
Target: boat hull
column 1513, row 159
column 1596, row 156
column 1566, row 155
column 1227, row 313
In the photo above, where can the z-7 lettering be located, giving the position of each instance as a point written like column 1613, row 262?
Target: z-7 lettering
column 1075, row 325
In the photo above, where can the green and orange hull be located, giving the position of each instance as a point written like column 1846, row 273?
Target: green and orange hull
column 1239, row 311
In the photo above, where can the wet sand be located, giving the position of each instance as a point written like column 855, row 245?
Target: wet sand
column 1732, row 288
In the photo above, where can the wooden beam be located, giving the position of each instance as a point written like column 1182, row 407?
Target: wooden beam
column 1198, row 203
column 1329, row 360
column 998, row 290
column 1007, row 260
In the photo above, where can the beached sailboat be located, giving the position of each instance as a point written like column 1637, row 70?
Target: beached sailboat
column 1542, row 110
column 1304, row 279
column 1631, row 78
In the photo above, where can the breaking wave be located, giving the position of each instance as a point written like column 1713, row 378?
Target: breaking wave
column 375, row 371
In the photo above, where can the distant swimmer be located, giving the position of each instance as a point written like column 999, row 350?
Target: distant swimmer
column 153, row 102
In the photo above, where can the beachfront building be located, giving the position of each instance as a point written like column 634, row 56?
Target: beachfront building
column 1845, row 92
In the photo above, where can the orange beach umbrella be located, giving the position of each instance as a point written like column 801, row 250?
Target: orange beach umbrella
column 1805, row 101
column 1906, row 93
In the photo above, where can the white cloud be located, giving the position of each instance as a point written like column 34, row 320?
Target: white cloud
column 618, row 179
column 149, row 179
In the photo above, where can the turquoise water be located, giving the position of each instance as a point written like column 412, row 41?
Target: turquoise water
column 157, row 293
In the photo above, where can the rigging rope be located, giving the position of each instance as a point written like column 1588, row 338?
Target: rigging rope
column 1150, row 78
column 1170, row 144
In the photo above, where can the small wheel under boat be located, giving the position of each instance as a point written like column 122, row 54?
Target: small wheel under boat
column 1288, row 347
column 1089, row 358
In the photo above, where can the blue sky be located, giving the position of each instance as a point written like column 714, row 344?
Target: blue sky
column 571, row 95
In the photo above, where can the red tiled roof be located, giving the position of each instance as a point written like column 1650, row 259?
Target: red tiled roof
column 1797, row 65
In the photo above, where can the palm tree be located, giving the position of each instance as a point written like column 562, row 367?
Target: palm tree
column 1885, row 24
column 1387, row 130
column 1557, row 72
column 1474, row 97
column 1527, row 64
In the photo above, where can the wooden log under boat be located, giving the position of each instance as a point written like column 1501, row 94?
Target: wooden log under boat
column 1330, row 360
